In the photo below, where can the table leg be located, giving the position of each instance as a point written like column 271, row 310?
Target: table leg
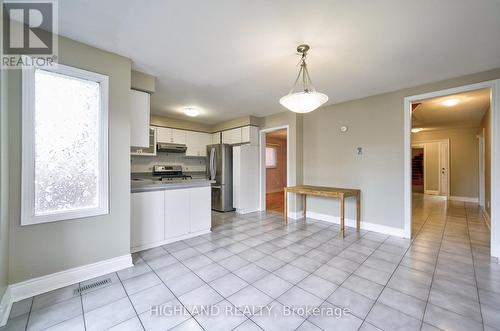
column 285, row 207
column 358, row 211
column 342, row 212
column 305, row 204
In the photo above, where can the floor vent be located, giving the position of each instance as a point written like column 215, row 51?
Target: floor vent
column 92, row 286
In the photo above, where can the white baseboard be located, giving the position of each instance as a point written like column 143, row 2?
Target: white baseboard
column 35, row 286
column 464, row 199
column 352, row 223
column 168, row 241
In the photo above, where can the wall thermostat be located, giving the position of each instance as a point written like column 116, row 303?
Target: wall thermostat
column 344, row 129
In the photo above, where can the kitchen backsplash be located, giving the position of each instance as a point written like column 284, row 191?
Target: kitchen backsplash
column 146, row 163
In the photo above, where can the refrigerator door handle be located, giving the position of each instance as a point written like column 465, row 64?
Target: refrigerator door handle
column 213, row 163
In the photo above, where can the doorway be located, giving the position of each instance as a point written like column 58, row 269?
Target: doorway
column 276, row 169
column 462, row 191
column 417, row 169
column 274, row 144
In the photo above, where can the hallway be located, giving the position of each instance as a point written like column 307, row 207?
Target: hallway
column 452, row 245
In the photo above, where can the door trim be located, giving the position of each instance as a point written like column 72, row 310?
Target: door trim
column 262, row 163
column 494, row 86
column 423, row 143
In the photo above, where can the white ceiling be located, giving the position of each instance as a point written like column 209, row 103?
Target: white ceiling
column 234, row 57
column 469, row 111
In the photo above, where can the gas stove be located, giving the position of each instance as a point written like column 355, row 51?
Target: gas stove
column 169, row 173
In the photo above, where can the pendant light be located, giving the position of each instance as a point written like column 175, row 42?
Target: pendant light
column 306, row 99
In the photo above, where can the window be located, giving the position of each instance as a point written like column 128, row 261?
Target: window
column 64, row 144
column 271, row 159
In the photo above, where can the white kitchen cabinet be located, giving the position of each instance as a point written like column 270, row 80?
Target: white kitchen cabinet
column 200, row 208
column 168, row 135
column 246, row 178
column 178, row 136
column 177, row 210
column 245, row 135
column 231, row 137
column 139, row 118
column 147, row 218
column 196, row 143
column 163, row 135
column 250, row 134
column 146, row 151
column 216, row 138
column 161, row 217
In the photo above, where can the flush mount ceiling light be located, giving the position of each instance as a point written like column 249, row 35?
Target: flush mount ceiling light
column 416, row 130
column 305, row 99
column 191, row 111
column 450, row 102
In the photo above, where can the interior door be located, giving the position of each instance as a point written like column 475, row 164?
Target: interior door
column 444, row 171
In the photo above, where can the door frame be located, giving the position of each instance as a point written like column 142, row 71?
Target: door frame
column 482, row 160
column 423, row 143
column 262, row 162
column 494, row 86
column 422, row 146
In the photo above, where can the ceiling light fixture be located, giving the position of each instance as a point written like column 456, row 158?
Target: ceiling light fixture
column 191, row 111
column 416, row 130
column 450, row 102
column 306, row 99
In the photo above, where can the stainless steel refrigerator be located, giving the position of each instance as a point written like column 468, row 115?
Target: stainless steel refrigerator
column 220, row 169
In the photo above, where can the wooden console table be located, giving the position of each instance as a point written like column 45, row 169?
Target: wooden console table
column 331, row 192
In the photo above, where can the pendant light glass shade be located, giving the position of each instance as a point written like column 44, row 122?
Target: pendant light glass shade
column 306, row 99
column 303, row 102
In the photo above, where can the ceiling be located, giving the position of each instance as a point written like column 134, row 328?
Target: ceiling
column 468, row 112
column 233, row 58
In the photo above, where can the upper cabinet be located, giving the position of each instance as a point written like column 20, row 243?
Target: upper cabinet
column 216, row 138
column 139, row 118
column 197, row 142
column 231, row 137
column 167, row 135
column 244, row 135
column 150, row 150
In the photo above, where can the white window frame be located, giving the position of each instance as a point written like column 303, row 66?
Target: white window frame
column 275, row 152
column 28, row 216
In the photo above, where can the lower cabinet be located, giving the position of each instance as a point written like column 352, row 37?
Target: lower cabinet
column 160, row 217
column 200, row 208
column 147, row 218
column 177, row 212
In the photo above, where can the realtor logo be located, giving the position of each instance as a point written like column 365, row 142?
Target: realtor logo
column 29, row 33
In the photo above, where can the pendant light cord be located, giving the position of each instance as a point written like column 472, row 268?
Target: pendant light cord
column 306, row 79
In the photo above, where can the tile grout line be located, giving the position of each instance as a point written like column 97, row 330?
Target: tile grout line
column 175, row 296
column 437, row 261
column 392, row 274
column 474, row 266
column 128, row 297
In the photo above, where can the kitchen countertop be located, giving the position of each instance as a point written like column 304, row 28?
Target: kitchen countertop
column 148, row 185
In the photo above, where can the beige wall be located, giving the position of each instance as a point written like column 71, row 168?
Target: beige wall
column 237, row 122
column 464, row 160
column 179, row 124
column 376, row 124
column 276, row 177
column 486, row 124
column 42, row 249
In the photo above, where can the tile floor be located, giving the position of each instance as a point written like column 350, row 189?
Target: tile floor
column 444, row 279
